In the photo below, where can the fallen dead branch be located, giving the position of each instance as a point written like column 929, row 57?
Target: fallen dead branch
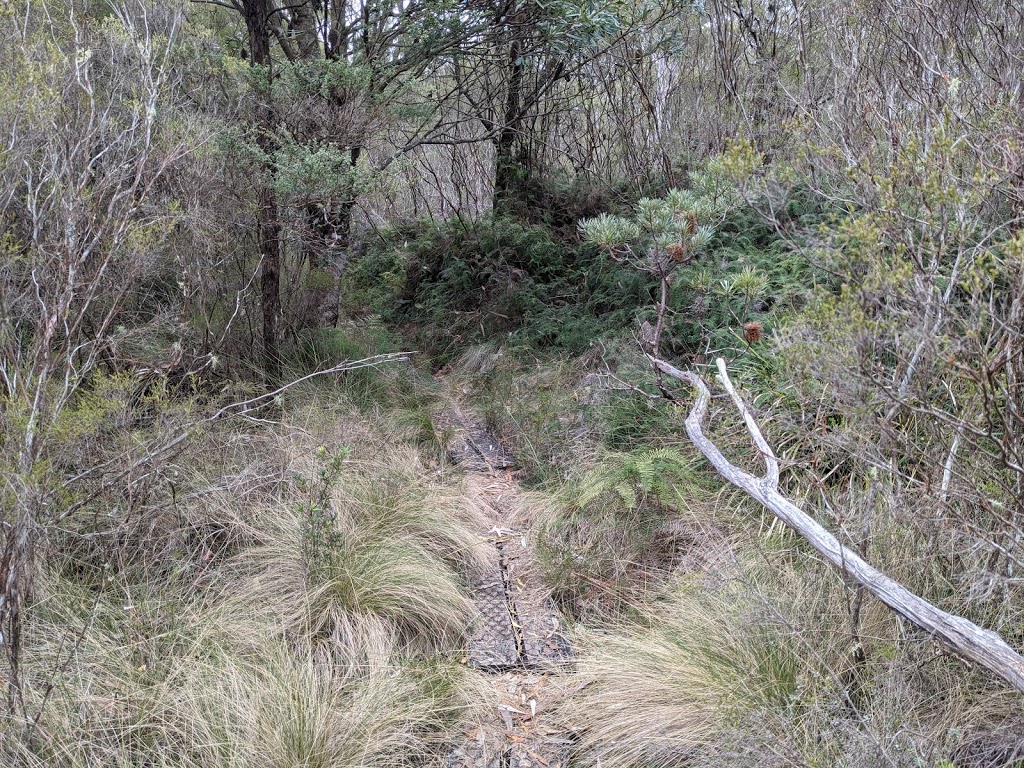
column 969, row 641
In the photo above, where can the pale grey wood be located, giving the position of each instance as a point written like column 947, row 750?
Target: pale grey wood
column 969, row 641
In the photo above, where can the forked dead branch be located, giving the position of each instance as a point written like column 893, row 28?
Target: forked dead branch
column 969, row 641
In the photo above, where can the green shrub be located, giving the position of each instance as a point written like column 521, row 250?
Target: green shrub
column 605, row 540
column 456, row 284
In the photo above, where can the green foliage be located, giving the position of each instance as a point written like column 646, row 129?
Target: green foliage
column 603, row 544
column 457, row 284
column 575, row 25
column 629, row 420
column 316, row 172
column 320, row 78
column 320, row 534
column 608, row 231
column 723, row 268
column 682, row 218
column 642, row 477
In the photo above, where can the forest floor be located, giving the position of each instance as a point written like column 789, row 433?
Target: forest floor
column 518, row 639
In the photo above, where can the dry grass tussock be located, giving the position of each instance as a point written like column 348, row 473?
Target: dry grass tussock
column 217, row 690
column 381, row 538
column 339, row 704
column 666, row 690
column 757, row 666
column 316, row 617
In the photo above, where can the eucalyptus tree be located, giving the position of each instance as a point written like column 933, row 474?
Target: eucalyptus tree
column 332, row 81
column 534, row 71
column 351, row 102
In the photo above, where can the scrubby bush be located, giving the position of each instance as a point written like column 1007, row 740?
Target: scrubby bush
column 610, row 538
column 459, row 283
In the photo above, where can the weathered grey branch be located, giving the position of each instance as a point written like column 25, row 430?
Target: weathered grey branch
column 969, row 641
column 770, row 460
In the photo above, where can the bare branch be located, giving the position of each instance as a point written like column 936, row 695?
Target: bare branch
column 969, row 641
column 261, row 401
column 770, row 460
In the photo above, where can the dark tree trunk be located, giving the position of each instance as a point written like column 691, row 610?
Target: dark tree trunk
column 328, row 222
column 531, row 75
column 268, row 226
column 509, row 172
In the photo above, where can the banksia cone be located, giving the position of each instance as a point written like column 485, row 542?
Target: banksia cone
column 753, row 332
column 676, row 251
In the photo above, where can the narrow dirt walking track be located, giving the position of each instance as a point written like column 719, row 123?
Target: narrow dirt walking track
column 518, row 637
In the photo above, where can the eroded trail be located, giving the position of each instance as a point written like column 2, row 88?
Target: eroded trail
column 518, row 638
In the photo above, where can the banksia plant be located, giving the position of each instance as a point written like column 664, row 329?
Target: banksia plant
column 700, row 283
column 662, row 235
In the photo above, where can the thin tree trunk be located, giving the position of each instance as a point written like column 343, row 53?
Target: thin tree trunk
column 508, row 175
column 268, row 225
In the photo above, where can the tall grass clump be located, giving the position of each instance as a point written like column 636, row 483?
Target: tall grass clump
column 757, row 664
column 671, row 687
column 99, row 680
column 131, row 682
column 364, row 538
column 309, row 609
column 334, row 705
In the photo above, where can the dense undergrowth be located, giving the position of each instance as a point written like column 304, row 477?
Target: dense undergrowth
column 294, row 593
column 297, row 597
column 202, row 201
column 456, row 284
column 708, row 634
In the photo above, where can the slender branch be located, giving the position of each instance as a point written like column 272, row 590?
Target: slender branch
column 261, row 401
column 233, row 5
column 240, row 408
column 770, row 460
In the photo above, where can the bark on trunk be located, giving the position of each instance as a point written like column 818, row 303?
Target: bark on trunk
column 508, row 174
column 268, row 226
